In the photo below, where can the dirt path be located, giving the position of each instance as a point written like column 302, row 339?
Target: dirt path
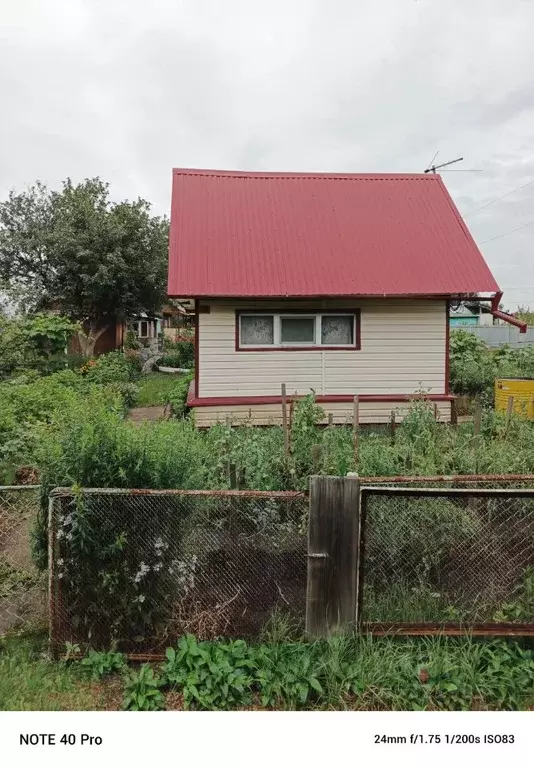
column 139, row 414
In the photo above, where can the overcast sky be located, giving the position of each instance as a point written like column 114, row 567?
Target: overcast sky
column 127, row 89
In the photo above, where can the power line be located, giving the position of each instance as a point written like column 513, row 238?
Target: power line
column 517, row 189
column 505, row 234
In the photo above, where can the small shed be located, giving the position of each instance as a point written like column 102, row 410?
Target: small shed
column 336, row 283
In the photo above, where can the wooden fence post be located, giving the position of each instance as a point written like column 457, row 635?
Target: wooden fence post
column 392, row 427
column 333, row 545
column 232, row 476
column 316, row 457
column 356, row 429
column 454, row 413
column 477, row 419
column 284, row 420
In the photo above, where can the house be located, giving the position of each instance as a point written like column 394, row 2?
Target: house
column 336, row 283
column 176, row 317
column 470, row 314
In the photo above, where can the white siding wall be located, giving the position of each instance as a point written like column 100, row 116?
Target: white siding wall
column 402, row 351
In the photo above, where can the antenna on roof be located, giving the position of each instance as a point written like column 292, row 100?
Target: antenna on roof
column 433, row 168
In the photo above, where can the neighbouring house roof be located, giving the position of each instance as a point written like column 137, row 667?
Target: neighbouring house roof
column 289, row 234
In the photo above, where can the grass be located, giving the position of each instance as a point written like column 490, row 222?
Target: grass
column 31, row 682
column 155, row 389
column 354, row 673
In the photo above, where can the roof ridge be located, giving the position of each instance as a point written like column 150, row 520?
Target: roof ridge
column 277, row 175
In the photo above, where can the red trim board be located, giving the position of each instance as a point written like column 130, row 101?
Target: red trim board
column 194, row 401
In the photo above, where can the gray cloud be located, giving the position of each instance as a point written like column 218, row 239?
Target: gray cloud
column 129, row 89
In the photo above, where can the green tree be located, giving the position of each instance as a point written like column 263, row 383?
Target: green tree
column 34, row 342
column 76, row 251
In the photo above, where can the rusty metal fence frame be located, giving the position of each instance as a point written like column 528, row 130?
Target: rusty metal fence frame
column 58, row 607
column 381, row 488
column 481, row 486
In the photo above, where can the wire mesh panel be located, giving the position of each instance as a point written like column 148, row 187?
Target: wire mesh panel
column 436, row 556
column 138, row 569
column 22, row 586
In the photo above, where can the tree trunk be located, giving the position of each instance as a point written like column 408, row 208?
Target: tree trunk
column 88, row 340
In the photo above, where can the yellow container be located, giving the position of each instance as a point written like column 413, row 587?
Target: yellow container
column 521, row 389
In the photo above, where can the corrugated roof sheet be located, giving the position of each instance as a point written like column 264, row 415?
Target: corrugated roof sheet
column 281, row 234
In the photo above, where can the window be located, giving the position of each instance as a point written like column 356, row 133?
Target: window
column 257, row 330
column 299, row 331
column 143, row 329
column 337, row 330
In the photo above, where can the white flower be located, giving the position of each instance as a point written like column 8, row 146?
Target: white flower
column 143, row 570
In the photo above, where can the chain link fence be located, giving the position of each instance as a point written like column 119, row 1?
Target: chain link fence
column 137, row 569
column 23, row 603
column 445, row 555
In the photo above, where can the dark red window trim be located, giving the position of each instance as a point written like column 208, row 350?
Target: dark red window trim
column 356, row 346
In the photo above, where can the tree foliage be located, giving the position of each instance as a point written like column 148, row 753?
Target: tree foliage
column 33, row 343
column 76, row 250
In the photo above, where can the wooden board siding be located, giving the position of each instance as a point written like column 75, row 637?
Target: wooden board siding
column 265, row 415
column 402, row 351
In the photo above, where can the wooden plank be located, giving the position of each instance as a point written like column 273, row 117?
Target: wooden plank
column 232, row 476
column 331, row 603
column 454, row 414
column 477, row 419
column 284, row 420
column 356, row 429
column 316, row 457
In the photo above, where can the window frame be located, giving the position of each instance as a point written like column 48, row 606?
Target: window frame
column 315, row 345
column 146, row 322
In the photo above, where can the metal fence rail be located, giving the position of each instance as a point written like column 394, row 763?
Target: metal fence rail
column 498, row 335
column 140, row 568
column 22, row 586
column 432, row 557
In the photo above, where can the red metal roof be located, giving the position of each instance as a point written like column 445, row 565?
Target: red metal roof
column 289, row 234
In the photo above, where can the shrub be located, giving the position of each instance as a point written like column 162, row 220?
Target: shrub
column 178, row 396
column 474, row 366
column 128, row 392
column 113, row 368
column 178, row 354
column 100, row 664
column 34, row 342
column 142, row 690
column 212, row 676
